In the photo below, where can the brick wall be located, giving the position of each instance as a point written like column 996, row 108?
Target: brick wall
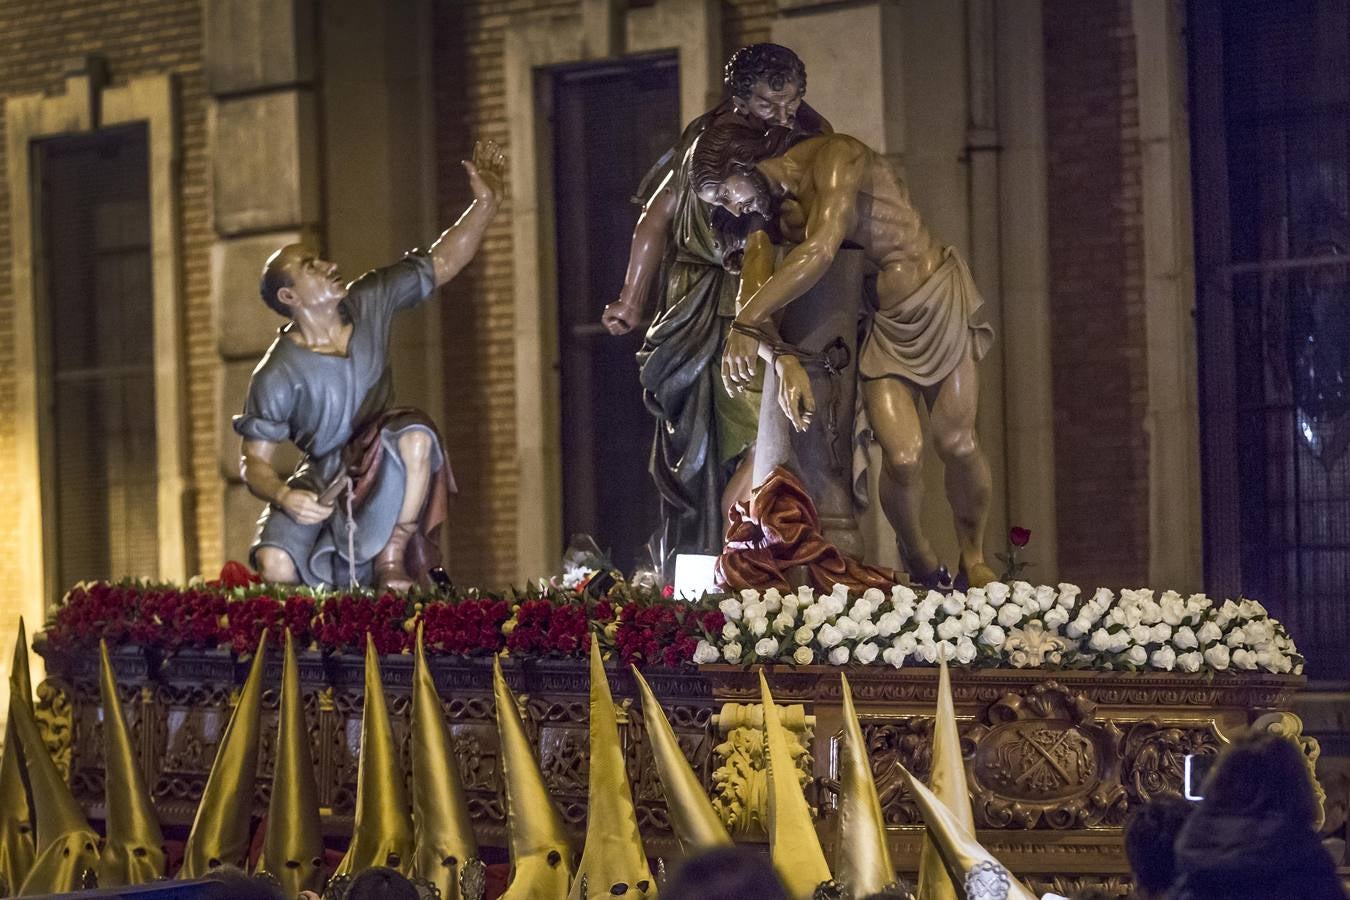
column 1100, row 387
column 137, row 37
column 479, row 423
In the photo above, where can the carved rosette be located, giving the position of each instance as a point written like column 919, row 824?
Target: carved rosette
column 740, row 789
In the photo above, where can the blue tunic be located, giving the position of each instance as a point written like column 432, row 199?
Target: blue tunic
column 320, row 402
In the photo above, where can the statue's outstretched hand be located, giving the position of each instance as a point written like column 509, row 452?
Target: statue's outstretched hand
column 739, row 356
column 621, row 316
column 487, row 172
column 794, row 392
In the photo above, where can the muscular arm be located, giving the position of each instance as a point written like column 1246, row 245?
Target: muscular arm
column 837, row 171
column 263, row 482
column 456, row 246
column 644, row 260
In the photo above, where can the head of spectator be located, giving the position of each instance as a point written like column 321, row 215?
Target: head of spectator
column 231, row 883
column 380, row 883
column 727, row 873
column 1150, row 839
column 1252, row 835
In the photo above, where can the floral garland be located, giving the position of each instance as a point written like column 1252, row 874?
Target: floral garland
column 1014, row 625
column 1017, row 625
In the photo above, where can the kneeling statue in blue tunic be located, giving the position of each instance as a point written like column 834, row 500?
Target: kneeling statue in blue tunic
column 371, row 488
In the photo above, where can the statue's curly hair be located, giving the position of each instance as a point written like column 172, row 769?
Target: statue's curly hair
column 773, row 64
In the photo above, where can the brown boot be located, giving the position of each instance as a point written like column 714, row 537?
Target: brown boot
column 390, row 573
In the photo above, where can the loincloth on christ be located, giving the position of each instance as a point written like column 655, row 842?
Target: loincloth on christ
column 923, row 337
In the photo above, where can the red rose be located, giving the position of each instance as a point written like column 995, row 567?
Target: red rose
column 1018, row 536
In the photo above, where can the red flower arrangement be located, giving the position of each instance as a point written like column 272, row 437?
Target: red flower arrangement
column 233, row 611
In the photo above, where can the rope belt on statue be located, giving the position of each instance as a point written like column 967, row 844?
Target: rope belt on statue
column 834, row 358
column 351, row 530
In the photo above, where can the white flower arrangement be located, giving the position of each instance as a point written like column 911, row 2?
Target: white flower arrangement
column 1017, row 625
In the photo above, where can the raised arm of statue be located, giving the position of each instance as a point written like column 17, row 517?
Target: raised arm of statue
column 456, row 246
column 644, row 260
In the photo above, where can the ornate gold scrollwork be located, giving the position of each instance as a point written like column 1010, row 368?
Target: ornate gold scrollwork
column 56, row 718
column 740, row 782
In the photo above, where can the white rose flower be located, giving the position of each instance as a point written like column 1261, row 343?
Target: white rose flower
column 1196, row 607
column 1021, row 591
column 828, row 635
column 970, row 622
column 806, row 594
column 1236, row 638
column 965, row 651
column 1209, row 632
column 925, row 612
column 834, row 604
column 1159, row 633
column 838, row 656
column 731, row 608
column 1102, row 597
column 1136, row 655
column 1250, row 609
column 732, row 652
column 890, row 623
column 996, row 592
column 894, row 656
column 1068, row 594
column 814, row 615
column 946, row 651
column 1077, row 628
column 874, row 596
column 1163, row 658
column 1133, row 616
column 1173, row 608
column 749, row 595
column 1009, row 615
column 987, row 614
column 1244, row 659
column 1100, row 640
column 905, row 643
column 1116, row 616
column 730, row 631
column 791, row 602
column 949, row 628
column 1119, row 641
column 1150, row 613
column 757, row 626
column 903, row 594
column 1217, row 656
column 804, row 656
column 926, row 651
column 1265, row 659
column 976, row 599
column 773, row 600
column 953, row 604
column 1226, row 613
column 924, row 632
column 767, row 648
column 804, row 635
column 756, row 610
column 783, row 623
column 867, row 629
column 993, row 636
column 1258, row 632
column 1139, row 633
column 861, row 611
column 1055, row 617
column 847, row 627
column 1190, row 662
column 1184, row 638
column 866, row 652
column 1046, row 596
column 706, row 653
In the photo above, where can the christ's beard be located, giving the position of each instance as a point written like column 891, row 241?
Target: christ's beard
column 766, row 199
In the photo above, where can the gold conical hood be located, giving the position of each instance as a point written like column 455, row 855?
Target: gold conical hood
column 863, row 861
column 541, row 854
column 16, row 824
column 133, row 852
column 443, row 836
column 954, row 844
column 692, row 816
column 67, row 848
column 948, row 783
column 382, row 831
column 220, row 832
column 794, row 845
column 612, row 861
column 292, row 849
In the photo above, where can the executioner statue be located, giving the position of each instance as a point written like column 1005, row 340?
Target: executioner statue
column 371, row 489
column 924, row 334
column 702, row 452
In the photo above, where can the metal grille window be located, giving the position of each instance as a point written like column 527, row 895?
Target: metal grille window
column 1271, row 137
column 96, row 327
